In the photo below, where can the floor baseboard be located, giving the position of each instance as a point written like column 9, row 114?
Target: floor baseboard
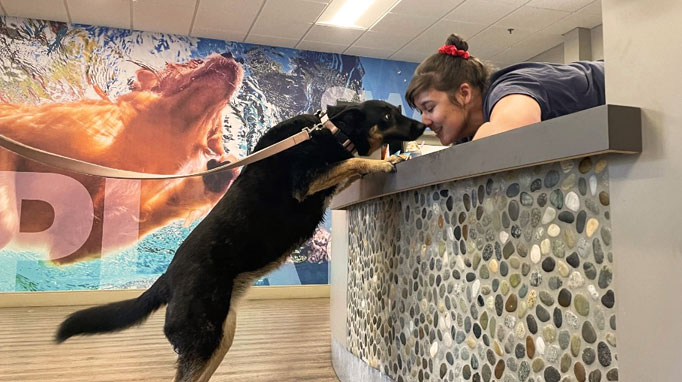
column 96, row 297
column 349, row 368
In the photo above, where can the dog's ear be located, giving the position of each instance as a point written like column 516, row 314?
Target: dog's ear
column 146, row 80
column 347, row 113
column 334, row 110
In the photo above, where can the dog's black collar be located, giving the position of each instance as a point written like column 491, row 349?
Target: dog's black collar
column 338, row 134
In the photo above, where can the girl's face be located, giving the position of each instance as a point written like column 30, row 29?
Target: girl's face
column 441, row 115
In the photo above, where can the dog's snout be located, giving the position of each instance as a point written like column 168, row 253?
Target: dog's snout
column 218, row 181
column 230, row 55
column 212, row 163
column 417, row 130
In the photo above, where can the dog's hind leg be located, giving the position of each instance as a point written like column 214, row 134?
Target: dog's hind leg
column 189, row 368
column 201, row 343
column 228, row 336
column 193, row 367
column 196, row 330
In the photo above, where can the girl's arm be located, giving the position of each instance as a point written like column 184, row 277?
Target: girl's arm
column 510, row 112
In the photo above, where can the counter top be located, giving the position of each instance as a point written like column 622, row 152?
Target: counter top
column 600, row 130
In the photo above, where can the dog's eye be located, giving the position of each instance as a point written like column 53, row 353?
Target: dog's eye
column 387, row 116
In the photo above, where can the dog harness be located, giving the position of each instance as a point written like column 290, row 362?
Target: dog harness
column 88, row 168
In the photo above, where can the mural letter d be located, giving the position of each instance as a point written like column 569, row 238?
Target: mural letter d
column 70, row 201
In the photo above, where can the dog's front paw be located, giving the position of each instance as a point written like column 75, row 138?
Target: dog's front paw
column 394, row 159
column 387, row 166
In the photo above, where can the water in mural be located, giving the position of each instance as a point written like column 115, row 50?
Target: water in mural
column 147, row 102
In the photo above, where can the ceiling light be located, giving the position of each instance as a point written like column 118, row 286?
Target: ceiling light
column 350, row 11
column 357, row 14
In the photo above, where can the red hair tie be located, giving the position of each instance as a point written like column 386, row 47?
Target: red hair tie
column 453, row 51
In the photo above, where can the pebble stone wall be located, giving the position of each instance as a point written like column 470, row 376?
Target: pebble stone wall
column 506, row 277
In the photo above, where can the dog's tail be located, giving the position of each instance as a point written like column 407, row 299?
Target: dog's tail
column 115, row 316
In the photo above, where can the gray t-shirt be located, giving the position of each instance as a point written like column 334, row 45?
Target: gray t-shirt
column 559, row 89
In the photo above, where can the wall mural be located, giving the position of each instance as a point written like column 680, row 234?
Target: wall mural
column 147, row 102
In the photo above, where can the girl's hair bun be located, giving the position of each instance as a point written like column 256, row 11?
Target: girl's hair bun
column 457, row 41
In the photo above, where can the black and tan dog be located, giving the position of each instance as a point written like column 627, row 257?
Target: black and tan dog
column 271, row 209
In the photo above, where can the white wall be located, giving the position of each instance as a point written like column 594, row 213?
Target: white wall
column 556, row 54
column 642, row 41
column 338, row 277
column 597, row 42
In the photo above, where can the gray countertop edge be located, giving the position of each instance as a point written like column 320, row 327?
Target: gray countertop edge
column 600, row 130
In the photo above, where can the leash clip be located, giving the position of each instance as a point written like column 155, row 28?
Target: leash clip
column 318, row 126
column 313, row 128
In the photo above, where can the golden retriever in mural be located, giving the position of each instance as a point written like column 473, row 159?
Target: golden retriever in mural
column 169, row 123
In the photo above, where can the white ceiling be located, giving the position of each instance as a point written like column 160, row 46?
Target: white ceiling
column 411, row 31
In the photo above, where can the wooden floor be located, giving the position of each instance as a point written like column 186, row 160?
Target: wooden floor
column 276, row 340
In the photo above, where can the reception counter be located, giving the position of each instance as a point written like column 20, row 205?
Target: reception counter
column 489, row 260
